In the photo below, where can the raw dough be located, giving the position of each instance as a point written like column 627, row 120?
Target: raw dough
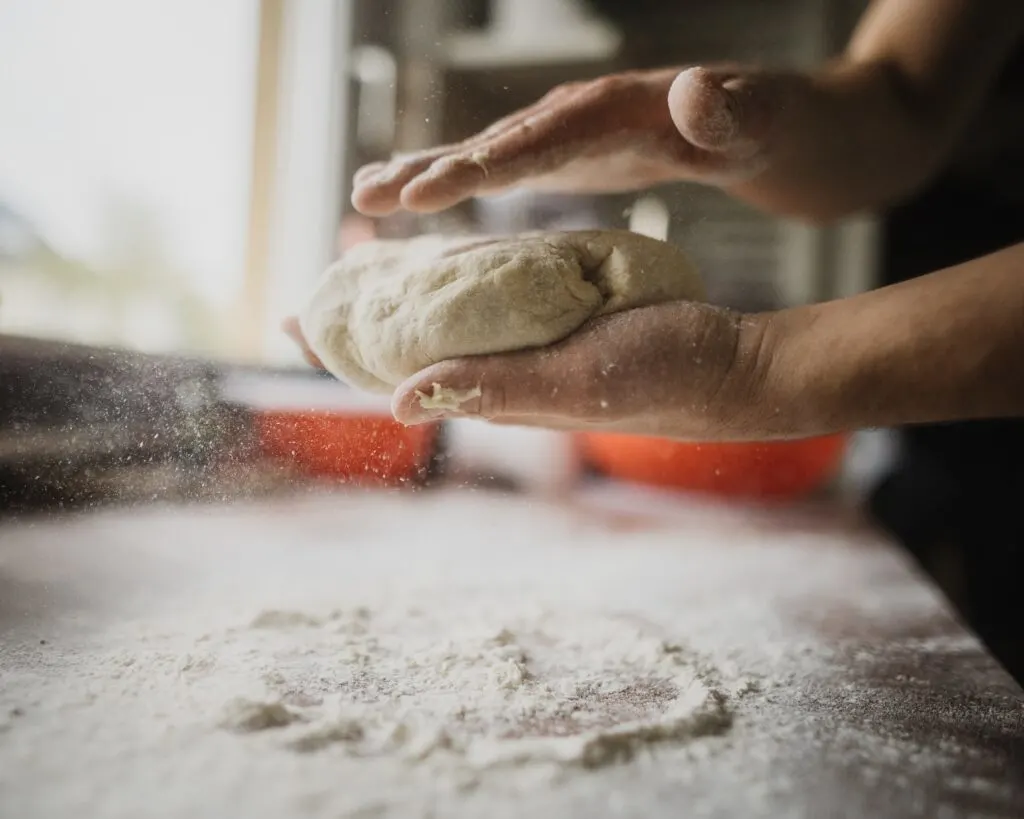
column 390, row 308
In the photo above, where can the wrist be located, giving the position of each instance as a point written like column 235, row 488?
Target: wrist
column 793, row 384
column 944, row 347
column 761, row 398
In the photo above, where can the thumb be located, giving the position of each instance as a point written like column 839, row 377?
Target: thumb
column 725, row 111
column 491, row 387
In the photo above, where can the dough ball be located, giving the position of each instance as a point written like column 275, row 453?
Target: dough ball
column 390, row 308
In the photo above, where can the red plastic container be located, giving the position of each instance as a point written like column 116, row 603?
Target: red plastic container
column 363, row 448
column 781, row 470
column 324, row 429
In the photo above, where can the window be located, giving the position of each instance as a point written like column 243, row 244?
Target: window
column 125, row 165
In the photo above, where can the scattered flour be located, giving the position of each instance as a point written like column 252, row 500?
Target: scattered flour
column 323, row 659
column 477, row 689
column 246, row 717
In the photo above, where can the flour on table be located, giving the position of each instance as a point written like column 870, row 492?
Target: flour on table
column 245, row 717
column 476, row 691
column 463, row 655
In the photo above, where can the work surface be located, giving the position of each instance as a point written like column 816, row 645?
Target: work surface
column 465, row 654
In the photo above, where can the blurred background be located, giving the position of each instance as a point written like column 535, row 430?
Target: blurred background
column 173, row 176
column 125, row 169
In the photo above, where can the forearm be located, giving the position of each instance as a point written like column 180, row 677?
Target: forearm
column 944, row 347
column 882, row 119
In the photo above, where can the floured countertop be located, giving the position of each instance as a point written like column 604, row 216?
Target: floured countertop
column 468, row 654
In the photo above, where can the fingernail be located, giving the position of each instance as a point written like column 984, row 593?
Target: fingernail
column 435, row 403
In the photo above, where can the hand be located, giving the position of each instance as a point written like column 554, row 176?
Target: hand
column 615, row 133
column 681, row 370
column 943, row 347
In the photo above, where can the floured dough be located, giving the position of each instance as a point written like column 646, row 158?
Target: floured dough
column 390, row 308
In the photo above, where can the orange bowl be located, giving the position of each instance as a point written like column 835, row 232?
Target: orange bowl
column 360, row 448
column 781, row 470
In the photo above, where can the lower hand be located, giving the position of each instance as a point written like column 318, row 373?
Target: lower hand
column 681, row 370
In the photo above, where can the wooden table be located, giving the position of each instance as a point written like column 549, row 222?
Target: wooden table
column 870, row 700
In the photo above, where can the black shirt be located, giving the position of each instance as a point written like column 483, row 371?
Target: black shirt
column 960, row 486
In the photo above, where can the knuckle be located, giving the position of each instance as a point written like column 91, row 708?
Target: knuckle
column 609, row 85
column 593, row 395
column 492, row 403
column 564, row 89
column 493, row 400
column 721, row 376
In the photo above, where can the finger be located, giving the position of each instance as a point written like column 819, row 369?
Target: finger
column 725, row 111
column 514, row 385
column 506, row 123
column 377, row 192
column 292, row 329
column 535, row 146
column 542, row 421
column 366, row 172
column 377, row 187
column 580, row 379
column 567, row 424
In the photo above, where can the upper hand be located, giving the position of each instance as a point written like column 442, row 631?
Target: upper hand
column 615, row 133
